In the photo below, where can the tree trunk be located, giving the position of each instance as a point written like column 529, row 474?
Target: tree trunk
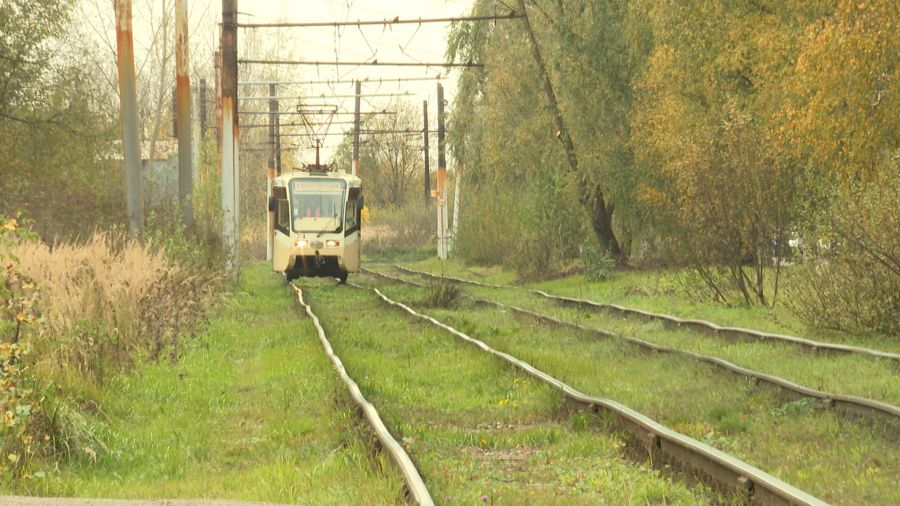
column 600, row 215
column 590, row 196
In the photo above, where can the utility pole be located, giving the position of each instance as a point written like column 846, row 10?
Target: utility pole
column 270, row 174
column 183, row 111
column 427, row 155
column 356, row 131
column 129, row 118
column 277, row 138
column 441, row 178
column 230, row 138
column 202, row 102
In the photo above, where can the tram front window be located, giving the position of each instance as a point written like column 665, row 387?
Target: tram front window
column 317, row 205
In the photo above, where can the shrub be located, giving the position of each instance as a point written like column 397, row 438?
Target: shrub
column 600, row 267
column 851, row 281
column 393, row 231
column 442, row 294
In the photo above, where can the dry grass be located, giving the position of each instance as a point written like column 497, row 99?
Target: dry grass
column 107, row 303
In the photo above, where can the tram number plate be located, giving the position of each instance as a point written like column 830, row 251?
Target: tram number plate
column 318, row 187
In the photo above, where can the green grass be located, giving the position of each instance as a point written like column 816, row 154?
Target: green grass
column 840, row 459
column 661, row 291
column 253, row 411
column 476, row 429
column 840, row 373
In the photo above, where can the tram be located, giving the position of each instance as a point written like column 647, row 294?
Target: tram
column 317, row 219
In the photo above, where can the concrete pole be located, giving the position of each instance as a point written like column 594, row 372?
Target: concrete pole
column 455, row 225
column 356, row 126
column 183, row 111
column 129, row 118
column 230, row 138
column 277, row 138
column 427, row 155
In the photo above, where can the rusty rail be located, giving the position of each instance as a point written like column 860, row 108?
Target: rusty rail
column 415, row 486
column 662, row 443
column 701, row 325
column 847, row 403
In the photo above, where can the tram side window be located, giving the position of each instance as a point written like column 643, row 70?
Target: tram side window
column 351, row 214
column 282, row 212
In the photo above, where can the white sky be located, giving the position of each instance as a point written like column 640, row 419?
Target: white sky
column 403, row 43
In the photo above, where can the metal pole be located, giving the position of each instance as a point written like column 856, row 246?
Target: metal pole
column 270, row 229
column 183, row 111
column 129, row 117
column 356, row 131
column 427, row 155
column 202, row 101
column 277, row 138
column 442, row 177
column 230, row 136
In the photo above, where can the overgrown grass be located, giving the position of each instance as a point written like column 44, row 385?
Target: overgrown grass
column 251, row 411
column 663, row 291
column 107, row 304
column 838, row 458
column 479, row 431
column 849, row 374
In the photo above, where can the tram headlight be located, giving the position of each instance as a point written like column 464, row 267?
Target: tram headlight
column 301, row 243
column 331, row 243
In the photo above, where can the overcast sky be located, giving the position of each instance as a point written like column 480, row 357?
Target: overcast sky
column 404, row 43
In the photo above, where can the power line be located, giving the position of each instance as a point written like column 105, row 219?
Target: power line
column 374, row 63
column 322, row 111
column 383, row 22
column 323, row 95
column 365, row 80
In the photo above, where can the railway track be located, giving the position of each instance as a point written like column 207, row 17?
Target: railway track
column 415, row 486
column 849, row 404
column 700, row 325
column 648, row 437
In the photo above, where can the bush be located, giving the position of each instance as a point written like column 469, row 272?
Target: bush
column 443, row 295
column 393, row 231
column 599, row 267
column 851, row 282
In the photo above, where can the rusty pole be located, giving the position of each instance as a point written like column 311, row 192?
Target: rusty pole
column 129, row 117
column 427, row 155
column 202, row 102
column 442, row 177
column 230, row 137
column 356, row 131
column 183, row 111
column 270, row 174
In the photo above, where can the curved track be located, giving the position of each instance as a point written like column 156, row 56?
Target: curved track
column 415, row 487
column 846, row 403
column 663, row 444
column 701, row 325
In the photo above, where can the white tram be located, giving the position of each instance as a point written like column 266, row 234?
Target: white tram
column 317, row 218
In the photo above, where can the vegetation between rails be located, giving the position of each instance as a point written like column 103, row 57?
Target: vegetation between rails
column 251, row 411
column 756, row 424
column 839, row 373
column 660, row 291
column 478, row 431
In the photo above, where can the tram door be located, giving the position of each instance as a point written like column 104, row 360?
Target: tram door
column 353, row 217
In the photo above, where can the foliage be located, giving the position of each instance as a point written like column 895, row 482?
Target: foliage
column 19, row 402
column 850, row 278
column 442, row 294
column 600, row 267
column 391, row 230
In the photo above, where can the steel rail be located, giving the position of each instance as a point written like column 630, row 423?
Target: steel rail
column 859, row 406
column 662, row 443
column 415, row 486
column 702, row 325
